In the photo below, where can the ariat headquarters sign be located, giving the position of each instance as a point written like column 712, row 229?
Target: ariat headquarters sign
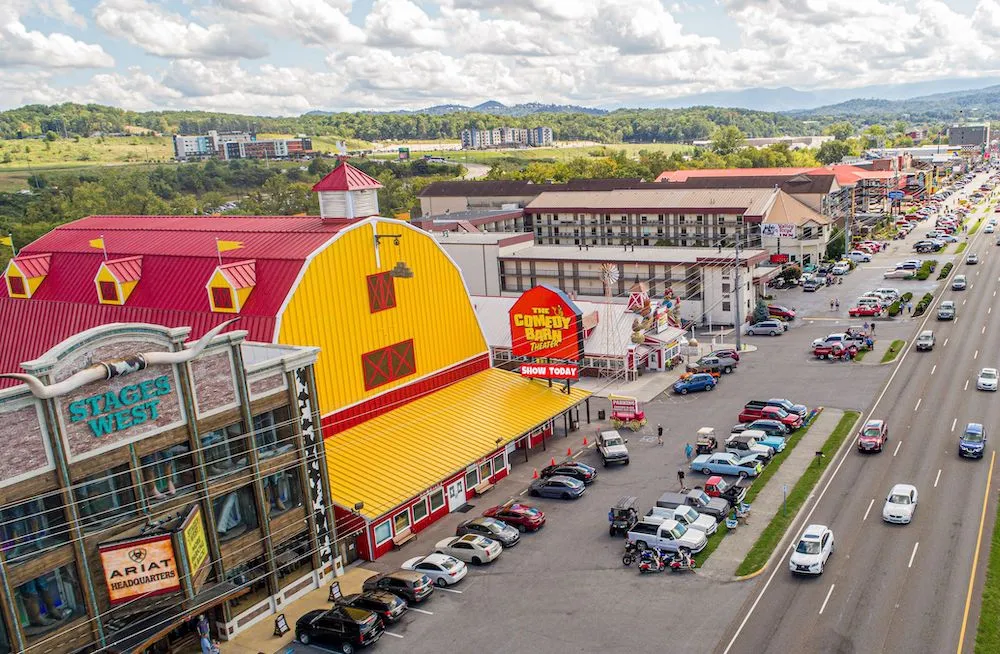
column 142, row 567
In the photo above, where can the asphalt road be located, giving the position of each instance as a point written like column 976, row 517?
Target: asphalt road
column 891, row 588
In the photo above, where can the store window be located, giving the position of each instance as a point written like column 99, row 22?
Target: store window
column 471, row 477
column 273, row 432
column 419, row 510
column 48, row 601
column 225, row 450
column 401, row 521
column 499, row 462
column 33, row 526
column 283, row 491
column 235, row 514
column 251, row 574
column 292, row 558
column 383, row 532
column 436, row 499
column 105, row 497
column 168, row 472
column 484, row 470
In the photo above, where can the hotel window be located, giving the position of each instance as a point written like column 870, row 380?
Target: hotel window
column 105, row 497
column 383, row 532
column 699, row 219
column 252, row 574
column 719, row 220
column 48, row 601
column 292, row 556
column 283, row 491
column 722, row 231
column 682, row 219
column 419, row 510
column 222, row 297
column 109, row 291
column 225, row 450
column 32, row 527
column 16, row 285
column 725, row 287
column 381, row 292
column 168, row 472
column 436, row 499
column 726, row 306
column 235, row 514
column 273, row 432
column 739, row 220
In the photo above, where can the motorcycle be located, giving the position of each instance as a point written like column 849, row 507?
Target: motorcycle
column 682, row 561
column 651, row 561
column 631, row 553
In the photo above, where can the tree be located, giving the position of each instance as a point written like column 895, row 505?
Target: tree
column 727, row 140
column 832, row 152
column 835, row 248
column 841, row 131
column 760, row 312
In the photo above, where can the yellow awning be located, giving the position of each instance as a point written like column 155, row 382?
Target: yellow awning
column 395, row 456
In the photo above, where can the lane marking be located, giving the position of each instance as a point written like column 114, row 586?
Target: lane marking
column 975, row 557
column 955, row 420
column 868, row 510
column 389, row 633
column 975, row 354
column 934, row 368
column 983, row 331
column 523, row 492
column 913, row 554
column 898, row 445
column 945, row 342
column 963, row 302
column 918, row 403
column 989, row 310
column 938, row 477
column 966, row 385
column 425, row 612
column 450, row 590
column 828, row 593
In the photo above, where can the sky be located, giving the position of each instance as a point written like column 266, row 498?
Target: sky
column 287, row 57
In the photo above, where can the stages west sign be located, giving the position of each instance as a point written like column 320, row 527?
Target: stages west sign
column 114, row 411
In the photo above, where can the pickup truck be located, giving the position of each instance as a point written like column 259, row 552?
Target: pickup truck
column 756, row 410
column 848, row 338
column 716, row 486
column 612, row 448
column 722, row 364
column 686, row 515
column 798, row 409
column 668, row 535
column 726, row 463
column 715, row 507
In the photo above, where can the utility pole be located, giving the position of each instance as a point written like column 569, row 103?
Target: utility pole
column 739, row 296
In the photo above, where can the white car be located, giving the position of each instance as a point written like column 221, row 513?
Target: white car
column 857, row 256
column 470, row 548
column 972, row 259
column 442, row 569
column 841, row 269
column 989, row 229
column 812, row 551
column 987, row 380
column 900, row 504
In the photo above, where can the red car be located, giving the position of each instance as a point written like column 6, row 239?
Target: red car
column 726, row 353
column 865, row 310
column 522, row 516
column 778, row 311
column 873, row 436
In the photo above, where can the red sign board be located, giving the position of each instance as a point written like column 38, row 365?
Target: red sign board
column 779, row 258
column 546, row 324
column 550, row 370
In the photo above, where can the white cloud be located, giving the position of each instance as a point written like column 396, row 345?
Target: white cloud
column 171, row 35
column 20, row 46
column 313, row 22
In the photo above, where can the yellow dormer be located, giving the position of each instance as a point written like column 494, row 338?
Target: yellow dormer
column 116, row 279
column 25, row 274
column 230, row 286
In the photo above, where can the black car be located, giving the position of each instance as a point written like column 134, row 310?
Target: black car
column 574, row 469
column 386, row 605
column 769, row 427
column 412, row 586
column 498, row 530
column 342, row 626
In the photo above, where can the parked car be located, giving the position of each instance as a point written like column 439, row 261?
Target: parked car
column 900, row 504
column 710, row 363
column 441, row 569
column 776, row 443
column 491, row 528
column 789, row 406
column 414, row 587
column 697, row 382
column 897, row 273
column 811, row 285
column 470, row 548
column 558, row 486
column 925, row 341
column 972, row 442
column 519, row 515
column 987, row 379
column 717, row 507
column 575, row 469
column 766, row 327
column 745, row 445
column 841, row 269
column 716, row 486
column 857, row 256
column 756, row 409
column 873, row 436
column 687, row 516
column 779, row 311
column 946, row 311
column 726, row 463
column 388, row 606
column 667, row 535
column 773, row 428
column 343, row 626
column 611, row 447
column 812, row 551
column 726, row 353
column 959, row 283
column 866, row 309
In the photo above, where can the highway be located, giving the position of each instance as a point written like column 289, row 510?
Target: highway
column 900, row 588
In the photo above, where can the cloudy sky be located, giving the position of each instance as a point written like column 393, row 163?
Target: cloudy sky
column 290, row 56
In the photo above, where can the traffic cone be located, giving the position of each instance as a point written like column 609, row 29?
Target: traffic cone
column 569, row 451
column 552, row 462
column 534, row 475
column 585, row 443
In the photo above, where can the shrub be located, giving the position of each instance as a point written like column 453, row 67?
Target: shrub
column 922, row 274
column 922, row 305
column 945, row 270
column 906, row 297
column 894, row 309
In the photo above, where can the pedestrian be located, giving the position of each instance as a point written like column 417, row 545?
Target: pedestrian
column 909, row 307
column 866, row 326
column 680, row 478
column 836, row 303
column 204, row 634
column 873, row 328
column 831, row 304
column 659, row 434
column 688, row 451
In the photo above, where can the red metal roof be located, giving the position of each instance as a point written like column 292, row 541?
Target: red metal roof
column 346, row 177
column 241, row 274
column 125, row 270
column 683, row 175
column 32, row 266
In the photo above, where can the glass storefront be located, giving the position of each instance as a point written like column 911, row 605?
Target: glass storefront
column 225, row 450
column 32, row 527
column 293, row 559
column 273, row 433
column 235, row 514
column 48, row 601
column 168, row 472
column 5, row 646
column 105, row 497
column 253, row 574
column 283, row 491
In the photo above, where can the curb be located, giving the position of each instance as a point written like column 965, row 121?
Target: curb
column 779, row 547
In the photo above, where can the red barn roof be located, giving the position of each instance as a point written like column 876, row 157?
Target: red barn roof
column 346, row 177
column 241, row 274
column 32, row 266
column 179, row 256
column 125, row 270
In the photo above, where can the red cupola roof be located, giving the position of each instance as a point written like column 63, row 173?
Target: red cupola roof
column 346, row 177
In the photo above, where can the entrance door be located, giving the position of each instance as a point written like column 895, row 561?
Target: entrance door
column 456, row 495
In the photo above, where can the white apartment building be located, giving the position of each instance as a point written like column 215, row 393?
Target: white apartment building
column 473, row 138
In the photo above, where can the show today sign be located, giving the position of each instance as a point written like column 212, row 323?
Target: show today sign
column 115, row 411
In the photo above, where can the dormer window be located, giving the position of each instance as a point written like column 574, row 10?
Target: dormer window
column 109, row 292
column 16, row 285
column 230, row 286
column 117, row 278
column 222, row 298
column 25, row 274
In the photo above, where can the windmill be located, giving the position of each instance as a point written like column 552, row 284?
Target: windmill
column 610, row 275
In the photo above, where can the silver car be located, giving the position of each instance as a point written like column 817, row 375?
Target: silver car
column 767, row 327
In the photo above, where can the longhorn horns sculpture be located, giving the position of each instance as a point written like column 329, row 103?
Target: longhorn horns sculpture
column 106, row 370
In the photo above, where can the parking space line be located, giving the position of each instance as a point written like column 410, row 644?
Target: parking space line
column 975, row 355
column 915, row 546
column 425, row 612
column 389, row 633
column 918, row 403
column 955, row 420
column 523, row 492
column 898, row 445
column 963, row 302
column 983, row 330
column 450, row 590
column 933, row 368
column 945, row 343
column 868, row 510
column 937, row 478
column 828, row 593
column 966, row 385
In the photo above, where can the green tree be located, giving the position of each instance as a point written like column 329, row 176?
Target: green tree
column 727, row 140
column 841, row 131
column 760, row 312
column 51, row 136
column 832, row 152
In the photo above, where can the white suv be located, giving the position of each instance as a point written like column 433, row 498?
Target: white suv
column 812, row 551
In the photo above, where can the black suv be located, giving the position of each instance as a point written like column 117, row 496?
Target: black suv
column 342, row 626
column 414, row 587
column 388, row 606
column 575, row 469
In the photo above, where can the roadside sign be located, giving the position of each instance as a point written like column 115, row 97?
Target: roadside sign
column 896, row 195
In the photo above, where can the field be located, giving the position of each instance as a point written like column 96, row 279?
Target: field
column 541, row 154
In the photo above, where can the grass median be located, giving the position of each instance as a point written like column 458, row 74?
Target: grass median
column 961, row 247
column 894, row 349
column 757, row 557
column 988, row 632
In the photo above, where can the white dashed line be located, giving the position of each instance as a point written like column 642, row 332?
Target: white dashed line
column 918, row 404
column 966, row 385
column 945, row 343
column 915, row 546
column 955, row 421
column 937, row 478
column 989, row 310
column 870, row 504
column 389, row 633
column 963, row 302
column 898, row 445
column 975, row 355
column 425, row 612
column 983, row 331
column 829, row 592
column 933, row 368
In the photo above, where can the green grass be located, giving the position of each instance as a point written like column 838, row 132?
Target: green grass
column 988, row 632
column 18, row 154
column 894, row 349
column 757, row 557
column 961, row 247
column 490, row 157
column 861, row 355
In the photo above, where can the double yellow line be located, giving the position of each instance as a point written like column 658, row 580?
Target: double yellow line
column 975, row 558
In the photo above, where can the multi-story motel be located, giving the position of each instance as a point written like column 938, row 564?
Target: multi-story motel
column 238, row 145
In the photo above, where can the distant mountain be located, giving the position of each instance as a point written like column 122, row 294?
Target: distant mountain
column 974, row 103
column 489, row 107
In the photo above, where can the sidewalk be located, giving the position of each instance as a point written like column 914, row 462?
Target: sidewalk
column 723, row 562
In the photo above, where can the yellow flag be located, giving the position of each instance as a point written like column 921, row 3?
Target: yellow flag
column 97, row 243
column 226, row 246
column 7, row 240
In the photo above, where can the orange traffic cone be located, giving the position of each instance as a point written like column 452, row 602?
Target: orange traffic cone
column 585, row 443
column 552, row 462
column 569, row 451
column 534, row 475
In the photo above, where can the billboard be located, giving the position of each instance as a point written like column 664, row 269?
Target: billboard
column 779, row 231
column 139, row 567
column 546, row 324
